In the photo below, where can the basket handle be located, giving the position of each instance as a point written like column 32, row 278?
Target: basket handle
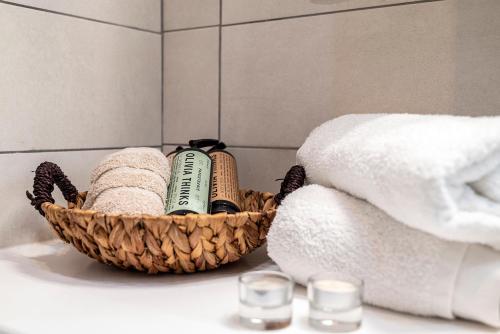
column 294, row 179
column 46, row 174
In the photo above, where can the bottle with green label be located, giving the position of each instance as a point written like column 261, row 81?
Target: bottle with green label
column 190, row 183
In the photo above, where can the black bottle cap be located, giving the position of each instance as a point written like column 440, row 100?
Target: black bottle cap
column 224, row 206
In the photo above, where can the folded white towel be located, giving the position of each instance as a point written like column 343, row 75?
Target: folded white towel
column 320, row 229
column 477, row 294
column 436, row 173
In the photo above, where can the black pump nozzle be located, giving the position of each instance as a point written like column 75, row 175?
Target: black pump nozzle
column 201, row 143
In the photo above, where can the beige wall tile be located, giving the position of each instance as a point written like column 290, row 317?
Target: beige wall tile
column 72, row 83
column 258, row 168
column 178, row 14
column 235, row 11
column 281, row 79
column 144, row 14
column 191, row 84
column 19, row 222
column 477, row 57
column 168, row 148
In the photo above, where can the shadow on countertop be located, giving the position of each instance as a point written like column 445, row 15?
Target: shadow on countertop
column 64, row 264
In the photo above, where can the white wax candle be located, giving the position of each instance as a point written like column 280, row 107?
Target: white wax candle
column 266, row 289
column 267, row 283
column 333, row 293
column 335, row 286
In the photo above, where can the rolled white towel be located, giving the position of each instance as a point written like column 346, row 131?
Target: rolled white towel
column 436, row 173
column 130, row 181
column 319, row 229
column 129, row 200
column 126, row 177
column 134, row 157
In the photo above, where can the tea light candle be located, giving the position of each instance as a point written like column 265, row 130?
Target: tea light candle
column 265, row 299
column 334, row 303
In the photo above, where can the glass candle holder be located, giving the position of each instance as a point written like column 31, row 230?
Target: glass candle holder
column 335, row 302
column 265, row 299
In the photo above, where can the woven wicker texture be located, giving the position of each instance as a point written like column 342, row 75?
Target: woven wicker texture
column 179, row 244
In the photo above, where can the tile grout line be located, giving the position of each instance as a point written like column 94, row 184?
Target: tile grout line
column 265, row 147
column 219, row 97
column 162, row 33
column 192, row 28
column 329, row 12
column 302, row 15
column 162, row 68
column 76, row 149
column 9, row 3
column 215, row 25
column 245, row 146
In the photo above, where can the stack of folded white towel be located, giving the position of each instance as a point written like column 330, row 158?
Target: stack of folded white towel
column 130, row 181
column 408, row 203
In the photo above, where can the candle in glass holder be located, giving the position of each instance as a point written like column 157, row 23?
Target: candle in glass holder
column 335, row 302
column 265, row 299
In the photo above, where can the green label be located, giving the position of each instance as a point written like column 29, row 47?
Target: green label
column 189, row 187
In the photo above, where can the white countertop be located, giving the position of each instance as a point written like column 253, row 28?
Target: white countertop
column 51, row 288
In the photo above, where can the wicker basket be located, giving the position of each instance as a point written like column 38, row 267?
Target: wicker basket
column 179, row 244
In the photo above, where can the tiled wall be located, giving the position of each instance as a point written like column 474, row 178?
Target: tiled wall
column 261, row 74
column 77, row 80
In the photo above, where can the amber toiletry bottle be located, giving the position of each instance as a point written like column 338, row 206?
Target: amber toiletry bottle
column 225, row 189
